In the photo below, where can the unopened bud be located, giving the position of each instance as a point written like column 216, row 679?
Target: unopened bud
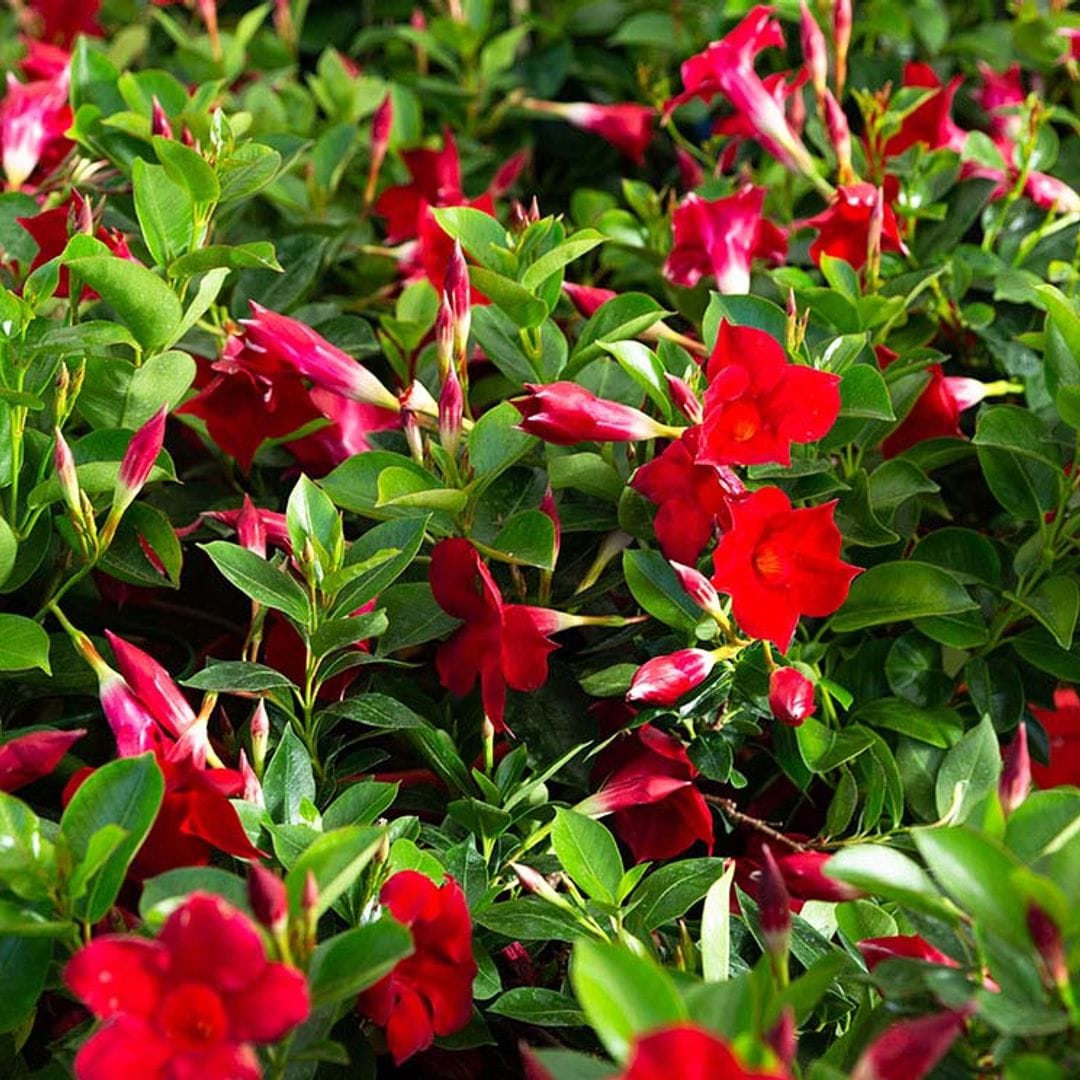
column 260, row 736
column 842, row 21
column 458, row 293
column 665, row 679
column 1015, row 781
column 381, row 124
column 547, row 506
column 451, row 411
column 535, row 882
column 64, row 463
column 700, row 589
column 534, row 210
column 791, row 696
column 268, row 899
column 840, row 137
column 1046, row 937
column 774, row 909
column 686, row 401
column 309, row 898
column 159, row 123
column 519, row 218
column 413, row 438
column 444, row 338
column 139, row 459
column 82, row 216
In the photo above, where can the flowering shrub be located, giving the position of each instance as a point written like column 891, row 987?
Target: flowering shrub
column 540, row 541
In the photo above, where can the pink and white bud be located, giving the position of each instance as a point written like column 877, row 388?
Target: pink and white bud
column 909, row 1049
column 308, row 353
column 665, row 679
column 1015, row 781
column 451, row 411
column 1046, row 937
column 268, row 898
column 260, row 734
column 564, row 413
column 840, row 138
column 815, row 53
column 459, row 296
column 252, row 792
column 153, row 685
column 444, row 337
column 138, row 460
column 381, row 124
column 842, row 22
column 132, row 724
column 791, row 696
column 700, row 589
column 774, row 908
column 1050, row 193
column 686, row 401
column 64, row 464
column 159, row 121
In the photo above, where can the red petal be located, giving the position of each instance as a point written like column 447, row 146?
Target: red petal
column 126, row 1047
column 270, row 1007
column 31, row 756
column 210, row 941
column 116, row 975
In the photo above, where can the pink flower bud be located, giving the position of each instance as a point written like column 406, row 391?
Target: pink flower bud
column 139, row 459
column 64, row 464
column 815, row 54
column 1015, row 781
column 153, row 685
column 686, row 401
column 774, row 907
column 906, row 946
column 783, row 1038
column 444, row 337
column 691, row 174
column 309, row 898
column 159, row 123
column 459, row 297
column 564, row 413
column 909, row 1049
column 588, row 299
column 840, row 137
column 791, row 696
column 665, row 679
column 547, row 506
column 381, row 124
column 1046, row 937
column 250, row 528
column 627, row 127
column 451, row 410
column 268, row 899
column 260, row 734
column 28, row 757
column 253, row 792
column 700, row 589
column 805, row 877
column 841, row 40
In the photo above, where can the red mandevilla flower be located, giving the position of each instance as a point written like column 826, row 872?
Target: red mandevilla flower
column 665, row 679
column 1015, row 781
column 138, row 460
column 844, row 226
column 689, row 1053
column 757, row 404
column 1062, row 724
column 902, row 946
column 430, row 992
column 694, row 497
column 909, row 1049
column 626, row 126
column 60, row 22
column 33, row 119
column 720, row 238
column 564, row 413
column 189, row 1004
column 777, row 563
column 804, row 875
column 791, row 696
column 32, row 755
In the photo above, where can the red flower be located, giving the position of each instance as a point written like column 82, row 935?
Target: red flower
column 791, row 696
column 720, row 237
column 189, row 1004
column 627, row 127
column 999, row 96
column 351, row 422
column 804, row 875
column 59, row 22
column 931, row 123
column 694, row 497
column 906, row 946
column 689, row 1053
column 588, row 299
column 777, row 564
column 844, row 227
column 504, row 644
column 28, row 757
column 649, row 788
column 564, row 413
column 936, row 412
column 909, row 1049
column 757, row 404
column 665, row 679
column 1062, row 724
column 33, row 119
column 430, row 992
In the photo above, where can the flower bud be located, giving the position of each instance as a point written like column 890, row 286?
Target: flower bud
column 458, row 294
column 547, row 506
column 691, row 175
column 782, row 1039
column 841, row 40
column 381, row 124
column 260, row 735
column 139, row 459
column 564, row 413
column 309, row 898
column 791, row 696
column 1046, row 937
column 665, row 679
column 444, row 337
column 700, row 589
column 159, row 123
column 82, row 216
column 519, row 218
column 815, row 55
column 909, row 1048
column 774, row 909
column 250, row 528
column 805, row 877
column 451, row 410
column 1015, row 781
column 253, row 792
column 686, row 401
column 268, row 899
column 840, row 137
column 64, row 464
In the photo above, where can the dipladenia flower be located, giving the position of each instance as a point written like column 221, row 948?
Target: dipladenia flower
column 777, row 563
column 931, row 123
column 267, row 896
column 430, row 992
column 909, row 1049
column 684, row 398
column 757, row 404
column 33, row 119
column 791, row 696
column 138, row 461
column 35, row 754
column 694, row 498
column 690, row 1053
column 1015, row 781
column 804, row 875
column 844, row 226
column 1062, row 724
column 720, row 238
column 564, row 413
column 190, row 1003
column 648, row 786
column 906, row 946
column 627, row 127
column 665, row 679
column 309, row 354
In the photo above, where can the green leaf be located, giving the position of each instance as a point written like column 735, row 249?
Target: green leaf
column 890, row 875
column 670, row 891
column 553, row 261
column 360, row 804
column 524, row 309
column 644, row 367
column 477, row 231
column 863, row 394
column 967, row 555
column 288, row 779
column 165, row 212
column 716, row 928
column 258, row 255
column 189, row 168
column 23, row 644
column 1055, row 603
column 495, row 442
column 9, row 548
column 623, row 995
column 238, row 676
column 24, row 966
column 399, row 541
column 378, row 711
column 260, row 580
column 620, row 319
column 344, row 965
column 537, row 1005
column 894, row 591
column 146, row 304
column 528, row 538
column 935, row 726
column 969, row 772
column 27, row 864
column 1020, row 463
column 657, row 589
column 743, row 311
column 165, row 892
column 336, row 860
column 310, row 515
column 530, row 919
column 126, row 793
column 588, row 853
